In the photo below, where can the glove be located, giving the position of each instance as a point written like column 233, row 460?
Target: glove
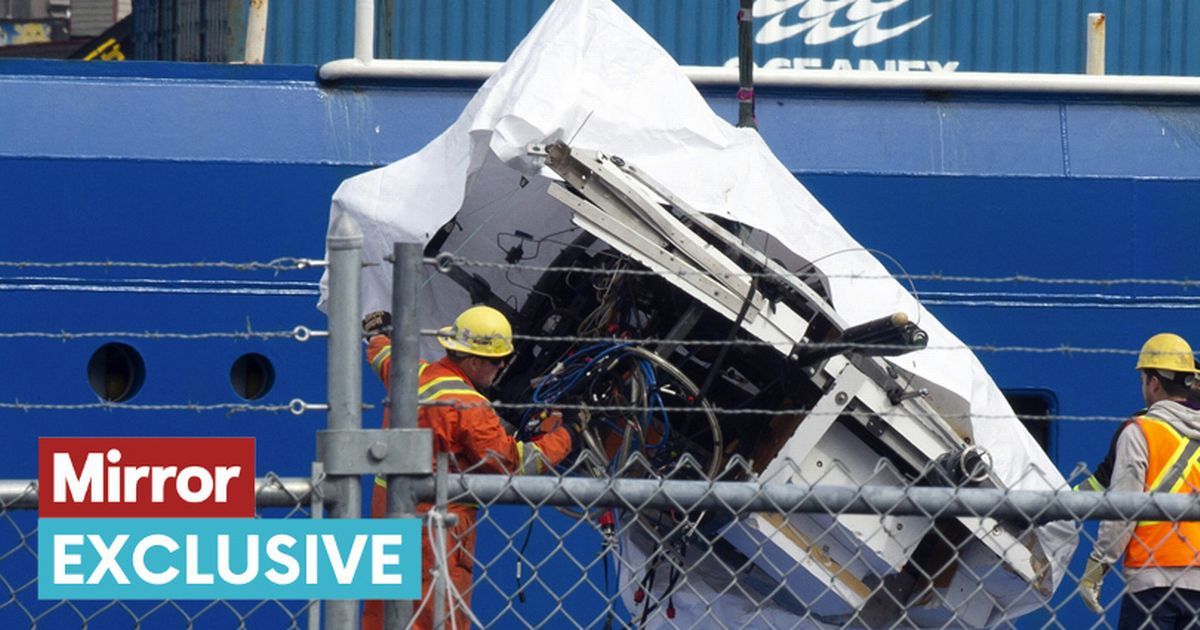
column 574, row 424
column 1090, row 583
column 547, row 421
column 551, row 420
column 578, row 446
column 377, row 323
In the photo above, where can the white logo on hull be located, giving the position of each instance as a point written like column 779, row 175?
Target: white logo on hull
column 816, row 18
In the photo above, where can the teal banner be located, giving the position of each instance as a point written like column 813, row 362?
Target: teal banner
column 170, row 558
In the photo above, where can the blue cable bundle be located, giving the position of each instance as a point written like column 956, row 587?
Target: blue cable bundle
column 571, row 377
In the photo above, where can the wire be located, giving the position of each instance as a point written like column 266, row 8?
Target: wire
column 278, row 264
column 651, row 341
column 521, row 555
column 770, row 412
column 230, row 408
column 68, row 336
column 932, row 277
column 1097, row 305
column 595, row 321
column 428, row 596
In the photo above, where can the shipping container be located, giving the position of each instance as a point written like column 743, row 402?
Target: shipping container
column 1144, row 37
column 92, row 17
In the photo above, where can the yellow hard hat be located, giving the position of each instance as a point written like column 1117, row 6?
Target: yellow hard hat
column 480, row 330
column 1167, row 351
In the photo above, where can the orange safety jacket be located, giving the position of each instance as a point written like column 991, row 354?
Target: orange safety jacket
column 469, row 430
column 464, row 423
column 1173, row 466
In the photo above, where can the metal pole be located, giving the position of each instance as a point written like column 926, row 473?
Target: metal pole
column 344, row 244
column 269, row 492
column 439, row 580
column 745, row 92
column 284, row 492
column 1095, row 43
column 364, row 31
column 256, row 32
column 1023, row 82
column 402, row 390
column 740, row 498
column 317, row 509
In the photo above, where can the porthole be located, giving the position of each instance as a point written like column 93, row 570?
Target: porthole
column 116, row 372
column 1035, row 408
column 252, row 376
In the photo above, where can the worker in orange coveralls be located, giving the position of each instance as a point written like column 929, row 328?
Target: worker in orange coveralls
column 469, row 431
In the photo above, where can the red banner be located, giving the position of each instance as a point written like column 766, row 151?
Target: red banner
column 145, row 477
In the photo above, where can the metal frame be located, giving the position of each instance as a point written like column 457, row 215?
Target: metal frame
column 627, row 209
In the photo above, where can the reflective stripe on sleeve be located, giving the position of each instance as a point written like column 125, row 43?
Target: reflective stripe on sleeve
column 530, row 459
column 381, row 359
column 437, row 383
column 446, row 386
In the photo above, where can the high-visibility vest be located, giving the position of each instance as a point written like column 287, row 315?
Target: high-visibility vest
column 1173, row 467
column 436, row 386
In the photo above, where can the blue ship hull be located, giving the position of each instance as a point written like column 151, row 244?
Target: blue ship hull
column 162, row 163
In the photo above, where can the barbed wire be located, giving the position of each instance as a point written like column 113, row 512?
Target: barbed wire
column 1116, row 297
column 299, row 407
column 277, row 264
column 203, row 282
column 429, row 332
column 445, row 262
column 299, row 333
column 303, row 333
column 296, row 407
column 758, row 412
column 230, row 408
column 1048, row 305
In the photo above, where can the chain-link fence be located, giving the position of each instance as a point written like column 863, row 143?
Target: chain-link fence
column 568, row 550
column 275, row 497
column 564, row 550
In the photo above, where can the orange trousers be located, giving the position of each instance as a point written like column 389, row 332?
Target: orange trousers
column 460, row 554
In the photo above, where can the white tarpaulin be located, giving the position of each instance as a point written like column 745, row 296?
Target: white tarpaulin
column 587, row 74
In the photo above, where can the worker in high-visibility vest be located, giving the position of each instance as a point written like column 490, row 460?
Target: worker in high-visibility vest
column 1098, row 481
column 466, row 428
column 1156, row 451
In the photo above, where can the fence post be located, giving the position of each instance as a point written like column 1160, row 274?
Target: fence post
column 344, row 380
column 316, row 503
column 402, row 391
column 440, row 503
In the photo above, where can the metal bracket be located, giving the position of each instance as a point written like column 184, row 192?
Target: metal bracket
column 376, row 451
column 876, row 426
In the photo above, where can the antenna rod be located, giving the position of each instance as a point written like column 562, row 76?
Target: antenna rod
column 745, row 92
